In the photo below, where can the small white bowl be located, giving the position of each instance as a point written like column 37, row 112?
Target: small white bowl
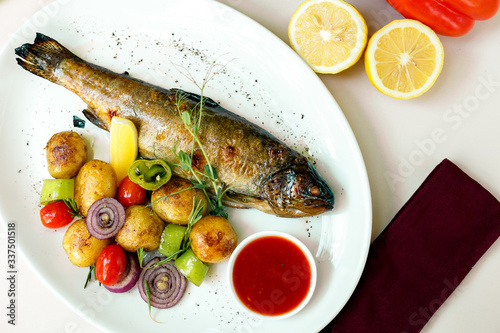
column 294, row 240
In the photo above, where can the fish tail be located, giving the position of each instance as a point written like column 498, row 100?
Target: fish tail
column 42, row 57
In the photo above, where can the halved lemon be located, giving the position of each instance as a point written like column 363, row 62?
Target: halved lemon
column 123, row 145
column 330, row 35
column 404, row 59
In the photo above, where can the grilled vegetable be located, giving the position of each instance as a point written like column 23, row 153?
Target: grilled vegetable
column 105, row 218
column 192, row 267
column 110, row 265
column 173, row 202
column 129, row 193
column 171, row 239
column 66, row 154
column 165, row 284
column 130, row 275
column 57, row 189
column 449, row 17
column 150, row 175
column 56, row 214
column 142, row 228
column 95, row 180
column 81, row 247
column 213, row 239
column 260, row 170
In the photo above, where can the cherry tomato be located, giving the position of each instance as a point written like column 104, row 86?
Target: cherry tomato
column 110, row 264
column 130, row 193
column 56, row 214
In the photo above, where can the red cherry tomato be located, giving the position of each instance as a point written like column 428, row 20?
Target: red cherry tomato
column 56, row 214
column 130, row 193
column 110, row 265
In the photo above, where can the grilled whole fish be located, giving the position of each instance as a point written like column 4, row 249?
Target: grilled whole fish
column 269, row 175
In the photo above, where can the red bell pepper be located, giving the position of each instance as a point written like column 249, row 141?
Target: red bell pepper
column 447, row 17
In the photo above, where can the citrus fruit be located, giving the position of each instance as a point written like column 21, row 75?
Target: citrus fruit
column 330, row 35
column 404, row 58
column 123, row 145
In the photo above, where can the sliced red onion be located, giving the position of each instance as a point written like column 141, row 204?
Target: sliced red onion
column 129, row 277
column 105, row 218
column 166, row 284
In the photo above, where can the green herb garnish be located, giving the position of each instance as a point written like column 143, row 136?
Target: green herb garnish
column 148, row 295
column 73, row 208
column 89, row 276
column 140, row 256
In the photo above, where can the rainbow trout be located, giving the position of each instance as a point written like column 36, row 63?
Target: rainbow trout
column 261, row 171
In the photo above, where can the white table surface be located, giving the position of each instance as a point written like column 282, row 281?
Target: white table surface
column 396, row 139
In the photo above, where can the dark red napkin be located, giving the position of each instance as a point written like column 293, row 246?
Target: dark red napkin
column 422, row 255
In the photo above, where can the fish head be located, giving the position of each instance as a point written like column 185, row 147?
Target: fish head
column 298, row 191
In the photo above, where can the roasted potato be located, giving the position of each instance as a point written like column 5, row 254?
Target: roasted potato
column 213, row 239
column 176, row 208
column 66, row 154
column 142, row 228
column 95, row 180
column 82, row 248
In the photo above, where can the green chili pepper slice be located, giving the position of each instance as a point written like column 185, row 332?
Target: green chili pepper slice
column 154, row 172
column 149, row 174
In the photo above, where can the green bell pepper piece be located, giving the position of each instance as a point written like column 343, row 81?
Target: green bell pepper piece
column 171, row 239
column 191, row 267
column 57, row 189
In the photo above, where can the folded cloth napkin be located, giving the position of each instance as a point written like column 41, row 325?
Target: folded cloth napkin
column 423, row 254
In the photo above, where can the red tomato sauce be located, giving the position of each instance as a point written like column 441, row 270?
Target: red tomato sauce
column 271, row 275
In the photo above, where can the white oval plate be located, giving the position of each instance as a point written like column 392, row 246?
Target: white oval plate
column 163, row 42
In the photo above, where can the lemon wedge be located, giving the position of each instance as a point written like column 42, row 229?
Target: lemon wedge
column 123, row 145
column 330, row 35
column 404, row 58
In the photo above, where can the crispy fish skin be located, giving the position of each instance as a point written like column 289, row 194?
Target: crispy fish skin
column 263, row 172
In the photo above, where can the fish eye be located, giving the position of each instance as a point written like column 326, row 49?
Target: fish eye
column 315, row 190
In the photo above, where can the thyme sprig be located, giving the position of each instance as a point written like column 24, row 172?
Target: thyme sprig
column 89, row 276
column 73, row 208
column 140, row 255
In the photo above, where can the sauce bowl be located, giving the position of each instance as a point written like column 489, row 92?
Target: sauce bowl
column 272, row 275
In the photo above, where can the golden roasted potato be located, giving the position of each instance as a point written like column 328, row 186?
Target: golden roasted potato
column 82, row 248
column 176, row 208
column 66, row 154
column 213, row 239
column 142, row 228
column 95, row 180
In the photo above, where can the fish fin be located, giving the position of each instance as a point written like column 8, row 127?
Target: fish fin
column 42, row 57
column 238, row 200
column 195, row 97
column 91, row 116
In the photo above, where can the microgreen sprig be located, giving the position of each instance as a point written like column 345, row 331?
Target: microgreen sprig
column 191, row 119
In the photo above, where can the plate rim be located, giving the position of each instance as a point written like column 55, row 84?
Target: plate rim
column 364, row 181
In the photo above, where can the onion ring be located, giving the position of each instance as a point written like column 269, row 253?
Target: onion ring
column 130, row 275
column 105, row 218
column 166, row 284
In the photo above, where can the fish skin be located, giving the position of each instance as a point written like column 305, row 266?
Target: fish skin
column 263, row 172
